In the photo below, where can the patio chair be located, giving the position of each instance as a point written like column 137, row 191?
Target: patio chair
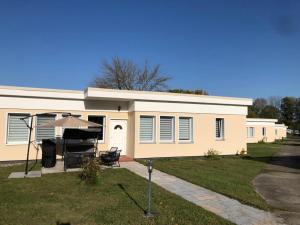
column 111, row 158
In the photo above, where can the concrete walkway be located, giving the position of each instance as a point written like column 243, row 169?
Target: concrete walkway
column 221, row 205
column 279, row 183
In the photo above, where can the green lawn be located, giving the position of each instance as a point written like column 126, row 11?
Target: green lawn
column 231, row 175
column 119, row 198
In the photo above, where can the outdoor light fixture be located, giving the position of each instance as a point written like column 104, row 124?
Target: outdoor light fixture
column 149, row 214
column 119, row 108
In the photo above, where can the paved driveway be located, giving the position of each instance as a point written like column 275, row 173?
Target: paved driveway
column 279, row 183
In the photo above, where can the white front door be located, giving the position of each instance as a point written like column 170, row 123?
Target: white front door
column 118, row 135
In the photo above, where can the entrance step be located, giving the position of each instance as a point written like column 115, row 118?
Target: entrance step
column 125, row 158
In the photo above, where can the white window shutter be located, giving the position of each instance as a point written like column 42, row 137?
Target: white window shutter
column 166, row 128
column 17, row 129
column 184, row 128
column 146, row 128
column 219, row 128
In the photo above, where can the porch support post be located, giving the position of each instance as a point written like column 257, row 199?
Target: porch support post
column 29, row 143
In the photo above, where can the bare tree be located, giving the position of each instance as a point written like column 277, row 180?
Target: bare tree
column 125, row 74
column 275, row 101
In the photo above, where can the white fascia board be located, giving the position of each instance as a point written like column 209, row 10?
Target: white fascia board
column 262, row 120
column 145, row 106
column 280, row 125
column 8, row 102
column 40, row 93
column 100, row 93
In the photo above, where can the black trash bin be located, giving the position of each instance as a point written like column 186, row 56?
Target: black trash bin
column 48, row 153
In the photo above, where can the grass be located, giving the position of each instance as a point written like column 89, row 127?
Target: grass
column 118, row 198
column 230, row 175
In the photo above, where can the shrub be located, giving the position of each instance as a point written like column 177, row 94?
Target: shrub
column 90, row 171
column 212, row 154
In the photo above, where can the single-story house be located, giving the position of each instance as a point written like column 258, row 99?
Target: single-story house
column 266, row 130
column 142, row 124
column 280, row 131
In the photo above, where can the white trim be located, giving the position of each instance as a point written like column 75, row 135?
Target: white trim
column 261, row 120
column 40, row 92
column 172, row 107
column 61, row 104
column 100, row 93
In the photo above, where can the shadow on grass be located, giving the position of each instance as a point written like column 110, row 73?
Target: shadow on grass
column 32, row 166
column 292, row 144
column 131, row 198
column 59, row 223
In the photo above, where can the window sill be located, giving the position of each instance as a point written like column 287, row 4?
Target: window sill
column 17, row 143
column 147, row 142
column 185, row 142
column 167, row 142
column 220, row 139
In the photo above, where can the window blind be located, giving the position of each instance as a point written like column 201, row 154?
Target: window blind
column 219, row 128
column 166, row 128
column 146, row 129
column 185, row 125
column 264, row 131
column 44, row 132
column 250, row 131
column 17, row 129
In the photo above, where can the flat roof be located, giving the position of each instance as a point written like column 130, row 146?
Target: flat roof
column 102, row 93
column 120, row 95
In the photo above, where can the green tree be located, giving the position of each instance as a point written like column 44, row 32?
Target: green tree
column 252, row 112
column 259, row 104
column 125, row 74
column 187, row 91
column 297, row 114
column 288, row 112
column 270, row 111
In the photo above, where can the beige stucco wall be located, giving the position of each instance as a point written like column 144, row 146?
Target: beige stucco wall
column 18, row 151
column 281, row 132
column 258, row 135
column 203, row 136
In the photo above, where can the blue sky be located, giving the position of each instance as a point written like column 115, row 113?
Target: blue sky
column 231, row 48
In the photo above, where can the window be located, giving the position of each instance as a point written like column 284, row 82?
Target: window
column 185, row 128
column 250, row 132
column 17, row 131
column 166, row 128
column 99, row 120
column 220, row 128
column 264, row 131
column 276, row 132
column 44, row 132
column 147, row 129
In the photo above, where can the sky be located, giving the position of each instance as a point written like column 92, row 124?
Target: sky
column 229, row 48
